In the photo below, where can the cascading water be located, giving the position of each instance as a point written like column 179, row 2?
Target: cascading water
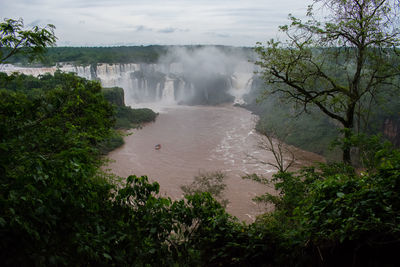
column 241, row 85
column 163, row 83
column 168, row 95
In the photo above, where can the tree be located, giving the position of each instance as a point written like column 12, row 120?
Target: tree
column 283, row 155
column 14, row 39
column 338, row 64
column 210, row 182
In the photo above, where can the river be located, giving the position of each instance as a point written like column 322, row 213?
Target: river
column 198, row 139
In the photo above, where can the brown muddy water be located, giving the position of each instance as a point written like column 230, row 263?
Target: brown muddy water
column 200, row 139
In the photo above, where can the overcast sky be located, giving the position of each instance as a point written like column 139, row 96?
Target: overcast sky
column 140, row 22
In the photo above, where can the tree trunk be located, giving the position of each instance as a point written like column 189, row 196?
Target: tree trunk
column 349, row 124
column 347, row 155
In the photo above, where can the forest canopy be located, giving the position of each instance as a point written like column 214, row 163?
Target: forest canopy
column 118, row 54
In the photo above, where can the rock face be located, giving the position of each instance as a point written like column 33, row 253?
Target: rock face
column 167, row 83
column 391, row 130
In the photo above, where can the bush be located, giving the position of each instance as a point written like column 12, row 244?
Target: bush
column 129, row 118
column 111, row 143
column 331, row 216
column 114, row 95
column 212, row 182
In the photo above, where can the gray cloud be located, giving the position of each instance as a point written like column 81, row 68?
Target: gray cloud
column 233, row 22
column 220, row 35
column 142, row 28
column 167, row 30
column 172, row 30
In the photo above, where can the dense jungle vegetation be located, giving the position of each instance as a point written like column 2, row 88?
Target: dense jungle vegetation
column 59, row 208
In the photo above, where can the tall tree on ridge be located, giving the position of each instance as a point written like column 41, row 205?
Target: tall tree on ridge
column 339, row 62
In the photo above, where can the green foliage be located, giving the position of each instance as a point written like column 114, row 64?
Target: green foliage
column 94, row 55
column 309, row 131
column 357, row 213
column 212, row 182
column 128, row 117
column 339, row 65
column 114, row 95
column 64, row 112
column 58, row 209
column 121, row 54
column 114, row 141
column 343, row 207
column 315, row 132
column 29, row 43
column 331, row 215
column 363, row 147
column 48, row 167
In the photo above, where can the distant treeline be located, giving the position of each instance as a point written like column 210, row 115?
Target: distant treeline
column 118, row 54
column 90, row 55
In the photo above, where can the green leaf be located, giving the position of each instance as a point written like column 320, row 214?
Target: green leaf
column 340, row 194
column 107, row 256
column 2, row 222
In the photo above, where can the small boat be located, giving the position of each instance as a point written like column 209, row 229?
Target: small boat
column 157, row 147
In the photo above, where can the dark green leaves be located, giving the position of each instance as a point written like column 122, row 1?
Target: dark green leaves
column 14, row 39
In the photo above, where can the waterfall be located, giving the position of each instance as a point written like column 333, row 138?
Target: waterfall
column 240, row 85
column 165, row 83
column 168, row 95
